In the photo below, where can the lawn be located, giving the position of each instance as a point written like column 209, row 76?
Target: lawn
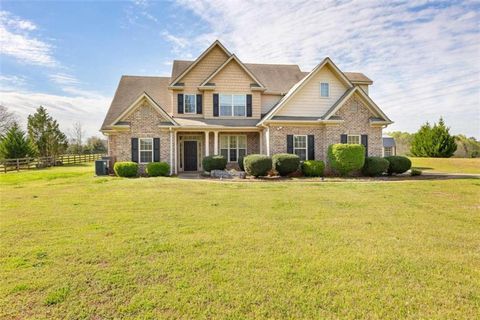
column 448, row 165
column 82, row 247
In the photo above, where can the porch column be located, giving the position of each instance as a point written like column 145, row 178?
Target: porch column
column 267, row 142
column 215, row 142
column 175, row 152
column 260, row 134
column 207, row 143
column 171, row 152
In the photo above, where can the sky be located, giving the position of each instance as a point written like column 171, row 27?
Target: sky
column 423, row 56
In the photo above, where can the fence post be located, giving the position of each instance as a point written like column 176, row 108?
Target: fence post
column 18, row 164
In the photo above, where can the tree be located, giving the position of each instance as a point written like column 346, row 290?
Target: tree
column 95, row 145
column 76, row 139
column 433, row 141
column 403, row 141
column 14, row 144
column 467, row 147
column 45, row 134
column 7, row 119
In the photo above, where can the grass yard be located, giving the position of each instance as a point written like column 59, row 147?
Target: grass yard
column 448, row 165
column 79, row 247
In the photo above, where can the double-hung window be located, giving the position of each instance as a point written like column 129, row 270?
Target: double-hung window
column 387, row 151
column 324, row 90
column 300, row 147
column 233, row 105
column 353, row 139
column 145, row 150
column 190, row 103
column 232, row 147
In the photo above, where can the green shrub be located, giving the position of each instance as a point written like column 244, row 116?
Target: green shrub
column 257, row 164
column 375, row 166
column 156, row 169
column 313, row 168
column 126, row 169
column 415, row 172
column 216, row 162
column 285, row 163
column 240, row 163
column 398, row 164
column 345, row 158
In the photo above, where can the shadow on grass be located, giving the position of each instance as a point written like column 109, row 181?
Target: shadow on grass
column 422, row 168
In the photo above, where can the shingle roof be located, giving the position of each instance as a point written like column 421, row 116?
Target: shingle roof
column 388, row 142
column 130, row 88
column 357, row 77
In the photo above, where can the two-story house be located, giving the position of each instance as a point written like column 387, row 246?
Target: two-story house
column 219, row 105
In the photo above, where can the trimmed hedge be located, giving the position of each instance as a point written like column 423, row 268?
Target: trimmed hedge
column 240, row 163
column 156, row 169
column 126, row 169
column 313, row 168
column 285, row 163
column 398, row 164
column 375, row 166
column 257, row 164
column 415, row 172
column 216, row 162
column 345, row 158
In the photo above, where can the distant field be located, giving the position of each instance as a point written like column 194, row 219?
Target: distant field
column 74, row 246
column 449, row 165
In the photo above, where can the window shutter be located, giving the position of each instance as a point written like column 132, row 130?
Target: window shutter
column 215, row 104
column 156, row 149
column 249, row 105
column 289, row 143
column 365, row 143
column 180, row 102
column 134, row 149
column 311, row 147
column 343, row 138
column 199, row 104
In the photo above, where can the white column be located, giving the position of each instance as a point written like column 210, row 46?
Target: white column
column 171, row 152
column 260, row 134
column 207, row 143
column 215, row 142
column 267, row 142
column 175, row 155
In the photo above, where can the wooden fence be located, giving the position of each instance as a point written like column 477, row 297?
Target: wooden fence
column 43, row 162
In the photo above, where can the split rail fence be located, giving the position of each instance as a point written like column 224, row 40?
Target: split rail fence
column 43, row 162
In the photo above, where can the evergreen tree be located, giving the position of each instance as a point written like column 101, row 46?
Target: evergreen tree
column 45, row 134
column 433, row 141
column 14, row 144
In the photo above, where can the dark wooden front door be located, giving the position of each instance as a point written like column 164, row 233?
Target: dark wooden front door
column 190, row 155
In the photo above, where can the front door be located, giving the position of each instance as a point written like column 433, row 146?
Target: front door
column 190, row 155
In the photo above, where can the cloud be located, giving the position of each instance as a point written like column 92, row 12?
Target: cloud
column 138, row 11
column 63, row 79
column 17, row 41
column 422, row 56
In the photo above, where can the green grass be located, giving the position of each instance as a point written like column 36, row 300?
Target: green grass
column 448, row 165
column 79, row 247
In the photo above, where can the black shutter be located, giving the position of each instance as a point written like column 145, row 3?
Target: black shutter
column 215, row 104
column 156, row 149
column 365, row 143
column 249, row 105
column 289, row 143
column 180, row 102
column 343, row 138
column 311, row 147
column 199, row 104
column 135, row 149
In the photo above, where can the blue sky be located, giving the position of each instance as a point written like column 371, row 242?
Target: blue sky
column 424, row 57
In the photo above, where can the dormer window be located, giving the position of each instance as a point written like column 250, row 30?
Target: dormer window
column 324, row 90
column 190, row 103
column 233, row 105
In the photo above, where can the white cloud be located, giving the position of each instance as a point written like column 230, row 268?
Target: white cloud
column 423, row 57
column 17, row 41
column 63, row 79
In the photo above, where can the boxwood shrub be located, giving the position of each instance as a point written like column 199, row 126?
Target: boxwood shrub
column 398, row 164
column 285, row 163
column 313, row 168
column 257, row 164
column 156, row 169
column 346, row 158
column 216, row 162
column 126, row 169
column 375, row 166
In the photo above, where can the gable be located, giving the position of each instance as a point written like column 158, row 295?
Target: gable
column 308, row 102
column 232, row 75
column 145, row 118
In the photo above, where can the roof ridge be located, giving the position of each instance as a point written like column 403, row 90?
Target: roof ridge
column 273, row 64
column 133, row 76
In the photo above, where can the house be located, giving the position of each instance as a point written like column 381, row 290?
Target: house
column 389, row 147
column 218, row 104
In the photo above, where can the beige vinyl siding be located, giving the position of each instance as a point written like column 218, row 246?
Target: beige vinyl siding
column 308, row 102
column 364, row 87
column 268, row 101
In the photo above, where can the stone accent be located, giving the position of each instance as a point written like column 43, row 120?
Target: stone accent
column 222, row 174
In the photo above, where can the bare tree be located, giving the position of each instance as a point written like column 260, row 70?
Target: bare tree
column 7, row 119
column 76, row 137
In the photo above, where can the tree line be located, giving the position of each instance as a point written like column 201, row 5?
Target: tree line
column 43, row 137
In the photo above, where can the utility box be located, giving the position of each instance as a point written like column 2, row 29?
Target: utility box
column 101, row 167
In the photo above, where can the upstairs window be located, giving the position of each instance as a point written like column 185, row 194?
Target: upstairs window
column 233, row 105
column 324, row 90
column 353, row 139
column 145, row 150
column 232, row 147
column 300, row 147
column 190, row 103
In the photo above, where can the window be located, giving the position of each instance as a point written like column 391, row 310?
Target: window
column 353, row 139
column 232, row 147
column 324, row 89
column 146, row 150
column 190, row 103
column 300, row 147
column 233, row 105
column 387, row 151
